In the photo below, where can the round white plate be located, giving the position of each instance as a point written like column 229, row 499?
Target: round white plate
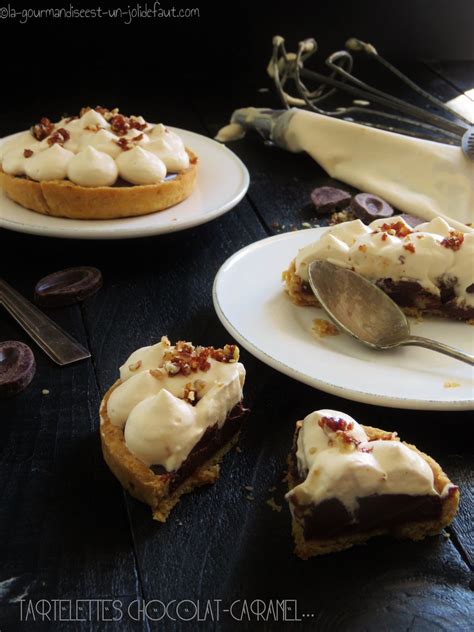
column 222, row 182
column 251, row 304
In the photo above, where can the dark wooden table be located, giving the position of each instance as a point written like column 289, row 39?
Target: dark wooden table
column 68, row 531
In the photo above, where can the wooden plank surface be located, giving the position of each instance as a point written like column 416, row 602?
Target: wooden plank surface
column 67, row 530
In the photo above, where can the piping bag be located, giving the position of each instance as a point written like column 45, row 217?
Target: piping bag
column 423, row 178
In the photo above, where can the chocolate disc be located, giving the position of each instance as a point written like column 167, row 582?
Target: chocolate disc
column 327, row 199
column 17, row 367
column 368, row 207
column 69, row 286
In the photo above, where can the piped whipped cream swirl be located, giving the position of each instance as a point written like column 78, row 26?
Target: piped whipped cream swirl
column 337, row 460
column 430, row 253
column 169, row 395
column 40, row 154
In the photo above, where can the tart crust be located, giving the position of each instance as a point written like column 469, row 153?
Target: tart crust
column 62, row 198
column 415, row 530
column 139, row 480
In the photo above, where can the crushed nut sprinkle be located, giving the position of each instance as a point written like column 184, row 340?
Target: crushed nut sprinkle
column 454, row 241
column 135, row 366
column 27, row 153
column 42, row 129
column 336, row 423
column 399, row 229
column 120, row 124
column 184, row 358
column 410, row 247
column 362, row 248
column 60, row 136
column 123, row 143
column 135, row 123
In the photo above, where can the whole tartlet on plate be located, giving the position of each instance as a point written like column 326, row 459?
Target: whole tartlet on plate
column 426, row 269
column 349, row 482
column 98, row 165
column 168, row 421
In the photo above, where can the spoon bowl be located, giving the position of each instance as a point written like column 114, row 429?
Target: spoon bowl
column 365, row 312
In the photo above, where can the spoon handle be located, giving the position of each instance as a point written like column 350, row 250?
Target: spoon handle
column 54, row 341
column 427, row 343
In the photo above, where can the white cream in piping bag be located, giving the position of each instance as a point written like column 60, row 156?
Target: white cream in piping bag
column 352, row 467
column 376, row 253
column 160, row 426
column 161, row 152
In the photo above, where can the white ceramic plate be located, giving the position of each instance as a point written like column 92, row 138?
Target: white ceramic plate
column 222, row 182
column 250, row 302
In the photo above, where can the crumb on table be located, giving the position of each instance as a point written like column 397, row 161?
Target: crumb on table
column 273, row 505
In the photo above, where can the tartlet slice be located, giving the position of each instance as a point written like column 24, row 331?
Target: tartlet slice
column 348, row 483
column 426, row 269
column 166, row 424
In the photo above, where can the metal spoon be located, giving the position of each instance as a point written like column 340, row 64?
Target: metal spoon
column 364, row 311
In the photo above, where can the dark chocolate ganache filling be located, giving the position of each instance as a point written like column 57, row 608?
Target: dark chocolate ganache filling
column 412, row 294
column 330, row 518
column 213, row 439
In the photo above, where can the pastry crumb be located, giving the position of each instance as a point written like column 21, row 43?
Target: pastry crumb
column 249, row 488
column 250, row 497
column 237, row 449
column 451, row 385
column 338, row 217
column 322, row 328
column 45, row 391
column 274, row 506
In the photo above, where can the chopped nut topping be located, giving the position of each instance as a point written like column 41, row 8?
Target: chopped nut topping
column 135, row 366
column 184, row 358
column 60, row 136
column 362, row 248
column 123, row 143
column 400, row 229
column 42, row 129
column 27, row 153
column 159, row 374
column 454, row 242
column 336, row 424
column 410, row 247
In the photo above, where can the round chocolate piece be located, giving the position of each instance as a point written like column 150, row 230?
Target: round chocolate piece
column 368, row 207
column 17, row 367
column 69, row 286
column 327, row 199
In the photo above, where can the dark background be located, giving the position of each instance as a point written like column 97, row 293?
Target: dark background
column 59, row 63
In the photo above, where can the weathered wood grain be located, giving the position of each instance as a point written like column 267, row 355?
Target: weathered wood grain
column 66, row 528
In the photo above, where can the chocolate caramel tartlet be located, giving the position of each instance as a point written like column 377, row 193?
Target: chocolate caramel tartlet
column 166, row 424
column 100, row 164
column 349, row 483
